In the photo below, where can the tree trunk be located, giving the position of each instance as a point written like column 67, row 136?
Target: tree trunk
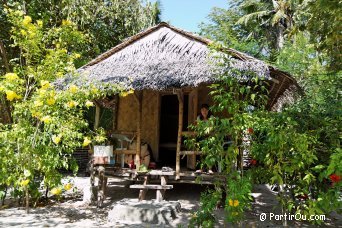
column 4, row 56
column 27, row 200
column 4, row 197
column 6, row 109
column 4, row 103
column 280, row 37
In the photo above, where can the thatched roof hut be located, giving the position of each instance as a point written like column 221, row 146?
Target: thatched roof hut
column 164, row 57
column 164, row 60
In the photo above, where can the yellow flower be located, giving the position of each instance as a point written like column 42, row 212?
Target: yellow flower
column 89, row 104
column 100, row 138
column 42, row 92
column 125, row 93
column 56, row 139
column 66, row 22
column 27, row 20
column 23, row 32
column 50, row 101
column 94, row 90
column 59, row 74
column 47, row 119
column 40, row 23
column 24, row 182
column 52, row 93
column 11, row 76
column 36, row 114
column 73, row 89
column 38, row 103
column 67, row 186
column 71, row 104
column 11, row 95
column 31, row 31
column 233, row 203
column 44, row 84
column 56, row 191
column 77, row 56
column 86, row 141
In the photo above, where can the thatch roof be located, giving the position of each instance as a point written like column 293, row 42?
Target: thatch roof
column 163, row 57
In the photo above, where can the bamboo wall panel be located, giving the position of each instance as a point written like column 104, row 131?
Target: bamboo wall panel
column 150, row 118
column 127, row 114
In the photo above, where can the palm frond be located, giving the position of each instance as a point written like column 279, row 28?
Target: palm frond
column 252, row 16
column 280, row 14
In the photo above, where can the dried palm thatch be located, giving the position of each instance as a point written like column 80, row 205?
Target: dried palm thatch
column 164, row 57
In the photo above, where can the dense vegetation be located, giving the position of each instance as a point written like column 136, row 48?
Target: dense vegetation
column 103, row 23
column 297, row 149
column 41, row 126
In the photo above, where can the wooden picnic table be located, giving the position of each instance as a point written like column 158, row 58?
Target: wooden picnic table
column 99, row 171
column 160, row 188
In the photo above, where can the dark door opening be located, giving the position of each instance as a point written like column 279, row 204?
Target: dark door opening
column 169, row 129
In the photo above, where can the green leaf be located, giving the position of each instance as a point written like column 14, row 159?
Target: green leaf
column 253, row 97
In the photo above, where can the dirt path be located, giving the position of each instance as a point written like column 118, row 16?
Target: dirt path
column 73, row 213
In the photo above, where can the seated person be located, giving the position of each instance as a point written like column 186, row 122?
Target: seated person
column 204, row 115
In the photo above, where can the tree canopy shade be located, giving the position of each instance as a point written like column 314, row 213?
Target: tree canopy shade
column 298, row 148
column 105, row 23
column 263, row 23
column 322, row 19
column 262, row 27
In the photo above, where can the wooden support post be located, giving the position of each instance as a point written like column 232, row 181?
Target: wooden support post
column 142, row 193
column 115, row 112
column 92, row 183
column 94, row 191
column 139, row 97
column 180, row 129
column 193, row 109
column 105, row 180
column 195, row 104
column 97, row 116
column 159, row 195
column 101, row 186
column 163, row 182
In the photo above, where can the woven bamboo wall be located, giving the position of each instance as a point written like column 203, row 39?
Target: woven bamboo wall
column 127, row 117
column 150, row 120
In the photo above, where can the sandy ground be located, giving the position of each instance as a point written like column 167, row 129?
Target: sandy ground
column 72, row 212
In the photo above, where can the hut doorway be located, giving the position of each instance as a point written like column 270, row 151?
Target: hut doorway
column 169, row 129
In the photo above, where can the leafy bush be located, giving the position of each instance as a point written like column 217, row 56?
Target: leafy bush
column 48, row 124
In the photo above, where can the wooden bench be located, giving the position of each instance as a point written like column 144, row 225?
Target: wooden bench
column 160, row 190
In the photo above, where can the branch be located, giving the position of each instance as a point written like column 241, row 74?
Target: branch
column 4, row 56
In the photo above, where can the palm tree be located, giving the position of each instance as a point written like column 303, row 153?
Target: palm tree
column 275, row 17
